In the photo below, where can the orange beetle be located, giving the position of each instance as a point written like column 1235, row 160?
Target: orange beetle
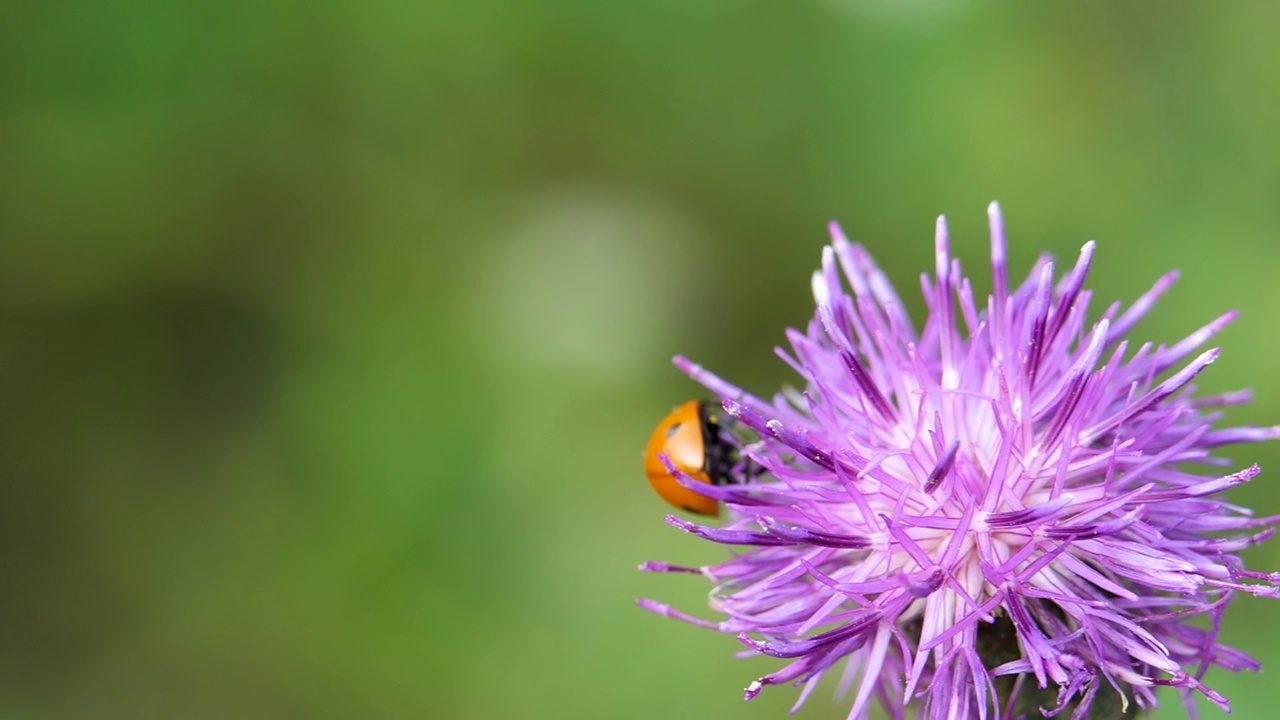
column 690, row 438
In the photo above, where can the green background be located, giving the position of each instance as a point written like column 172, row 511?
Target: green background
column 330, row 333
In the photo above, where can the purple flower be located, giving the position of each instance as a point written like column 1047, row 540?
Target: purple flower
column 1010, row 511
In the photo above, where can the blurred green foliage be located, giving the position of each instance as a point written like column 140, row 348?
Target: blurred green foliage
column 330, row 332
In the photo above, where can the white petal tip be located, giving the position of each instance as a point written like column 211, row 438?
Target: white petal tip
column 821, row 293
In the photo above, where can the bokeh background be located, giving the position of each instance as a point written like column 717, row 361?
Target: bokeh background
column 330, row 332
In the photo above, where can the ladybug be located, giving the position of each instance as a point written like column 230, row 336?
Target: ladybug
column 690, row 438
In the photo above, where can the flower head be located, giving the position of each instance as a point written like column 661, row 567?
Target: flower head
column 1010, row 511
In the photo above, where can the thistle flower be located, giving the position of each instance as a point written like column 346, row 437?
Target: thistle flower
column 1011, row 512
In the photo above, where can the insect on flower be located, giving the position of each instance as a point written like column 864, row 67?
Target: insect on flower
column 1009, row 513
column 688, row 438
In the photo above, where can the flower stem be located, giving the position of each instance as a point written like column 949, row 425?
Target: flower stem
column 998, row 644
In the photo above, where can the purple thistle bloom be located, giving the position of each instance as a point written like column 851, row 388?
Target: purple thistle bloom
column 997, row 507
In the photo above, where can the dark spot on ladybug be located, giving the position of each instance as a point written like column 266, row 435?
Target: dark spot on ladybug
column 718, row 454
